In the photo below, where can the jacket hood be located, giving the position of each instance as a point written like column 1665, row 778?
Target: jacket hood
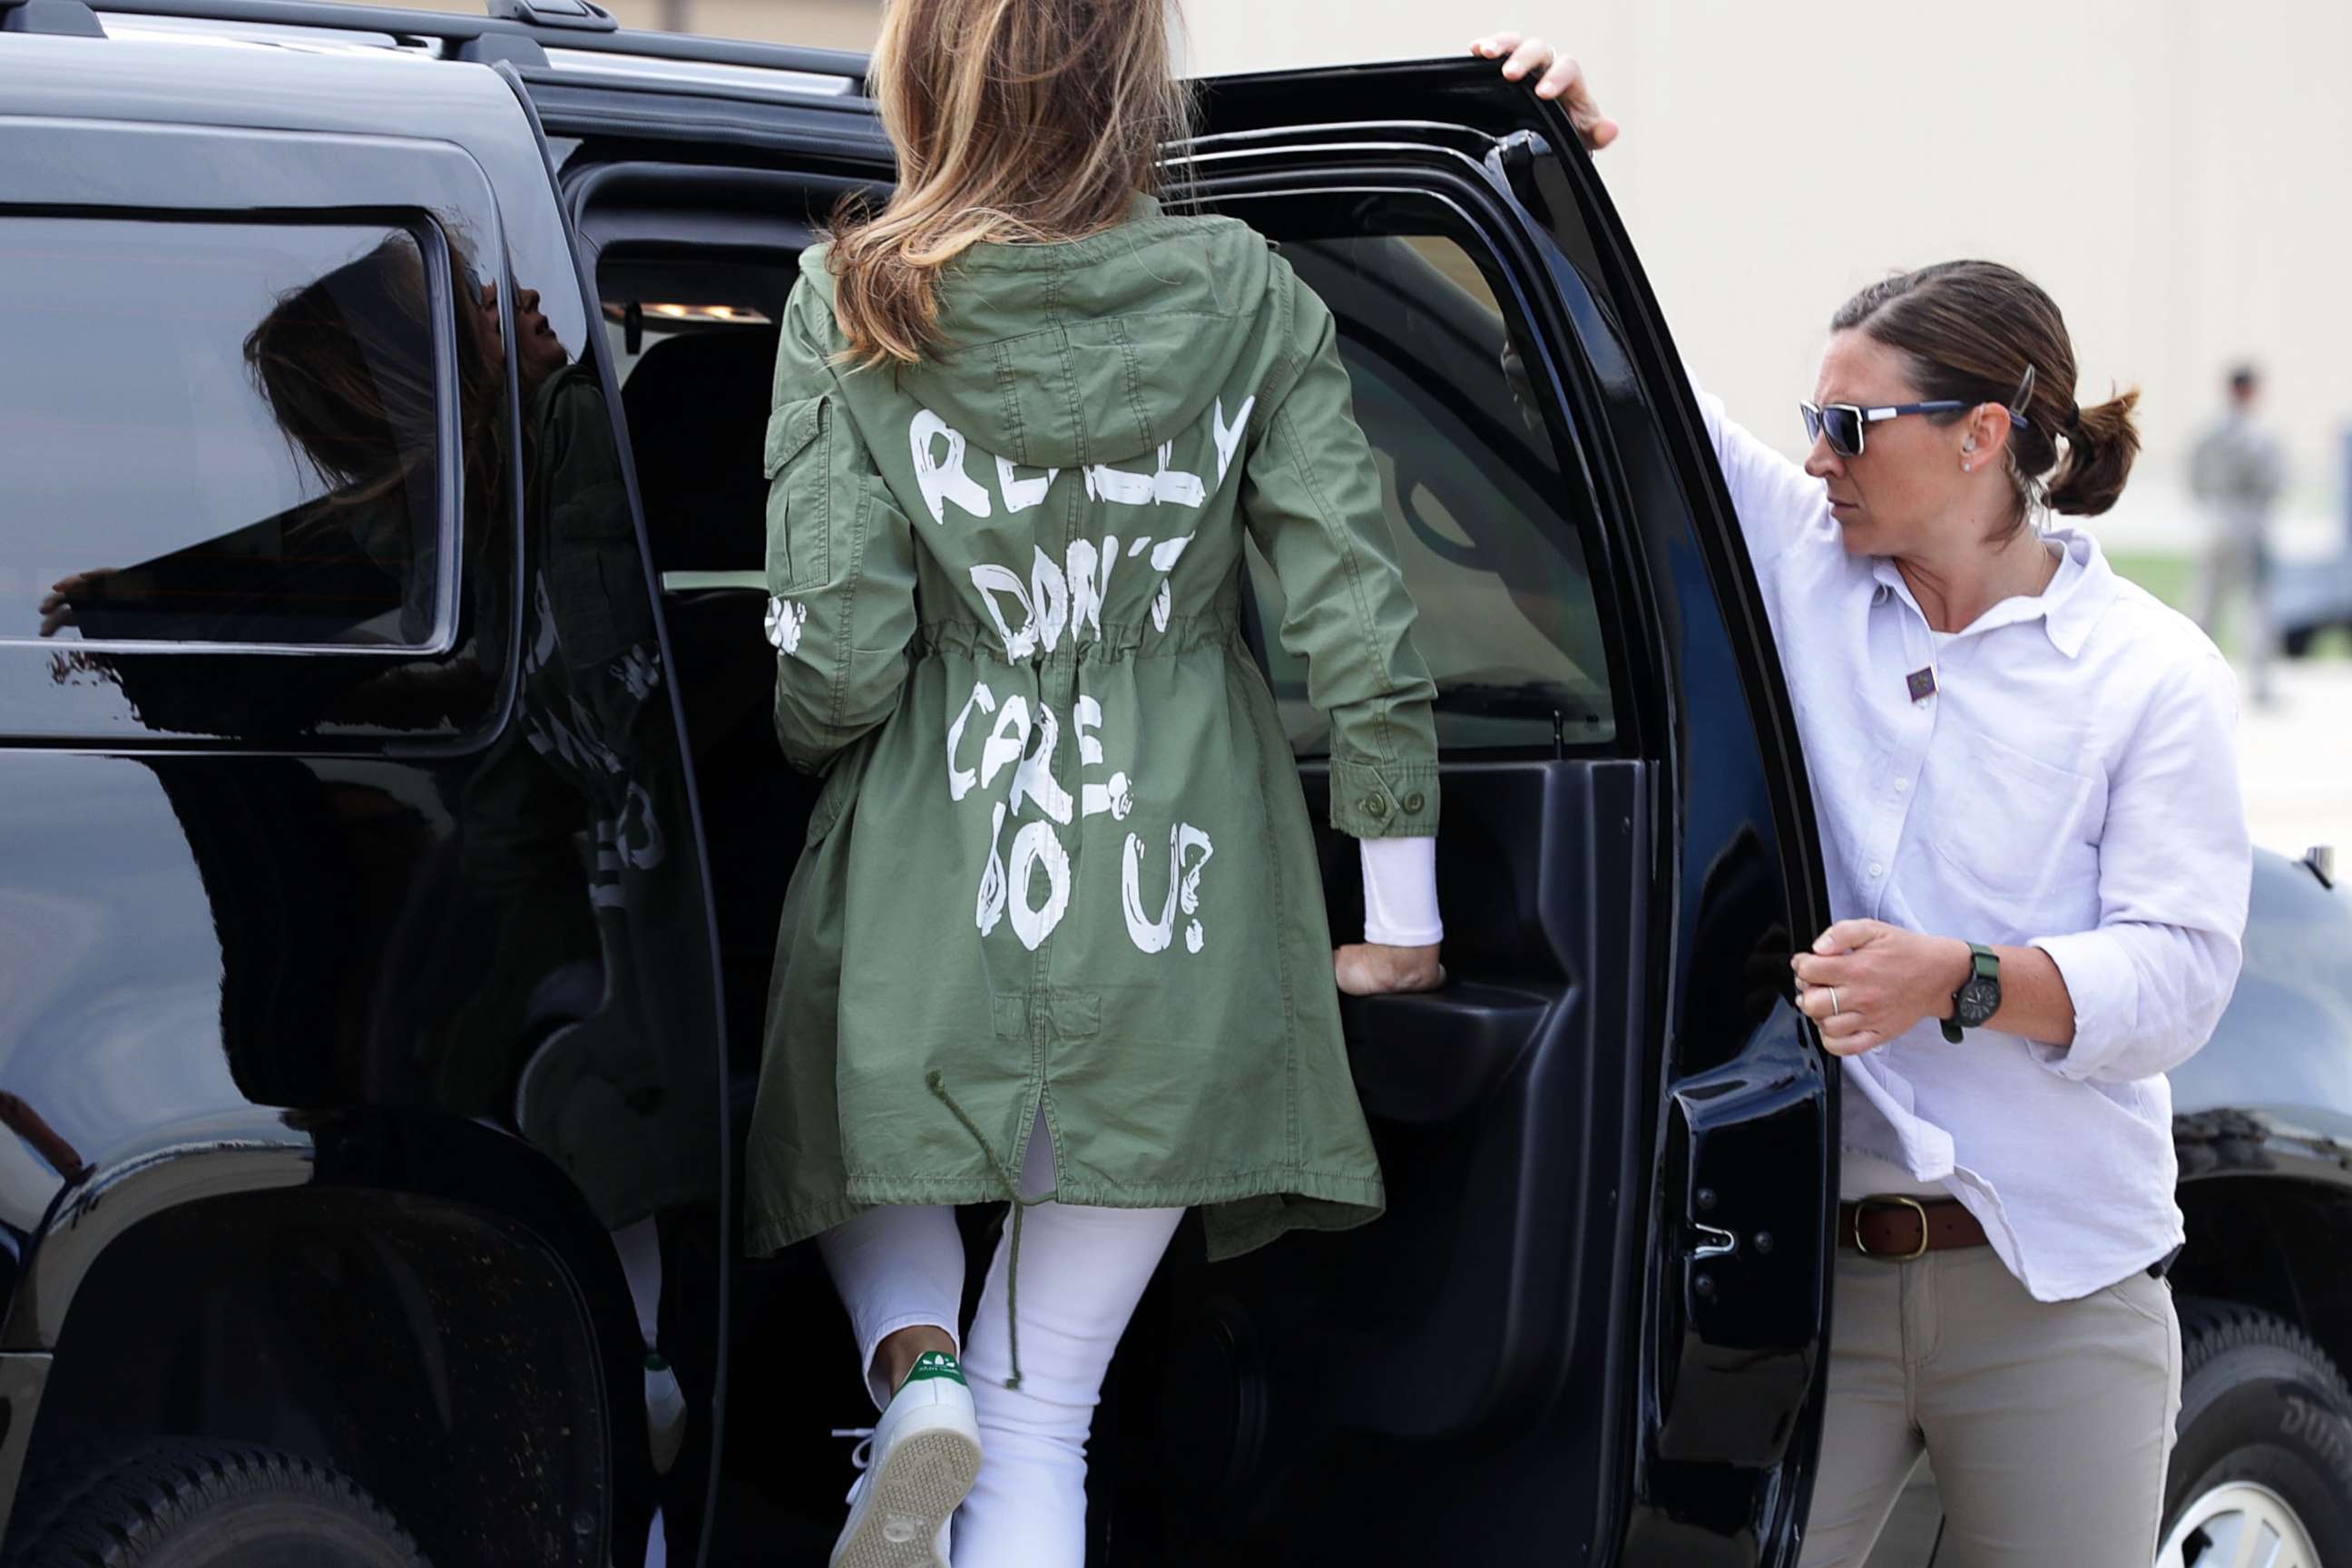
column 1090, row 350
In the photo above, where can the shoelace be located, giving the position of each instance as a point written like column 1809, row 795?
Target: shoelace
column 861, row 1456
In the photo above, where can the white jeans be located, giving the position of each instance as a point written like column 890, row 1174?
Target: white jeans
column 1082, row 1272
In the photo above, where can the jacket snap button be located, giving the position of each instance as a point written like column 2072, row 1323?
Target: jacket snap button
column 1415, row 800
column 1374, row 806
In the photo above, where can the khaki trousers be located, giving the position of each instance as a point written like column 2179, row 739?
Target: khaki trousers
column 2049, row 1423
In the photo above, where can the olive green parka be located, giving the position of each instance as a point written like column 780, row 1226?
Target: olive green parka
column 1061, row 855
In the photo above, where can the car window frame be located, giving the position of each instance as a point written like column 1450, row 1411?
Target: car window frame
column 433, row 246
column 141, row 172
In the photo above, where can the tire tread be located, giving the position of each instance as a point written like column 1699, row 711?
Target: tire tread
column 109, row 1508
column 2211, row 1327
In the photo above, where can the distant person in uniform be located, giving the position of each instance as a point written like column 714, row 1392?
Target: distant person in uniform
column 2236, row 473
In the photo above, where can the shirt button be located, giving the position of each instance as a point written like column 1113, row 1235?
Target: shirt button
column 1876, row 870
column 1415, row 800
column 1375, row 806
column 1902, row 786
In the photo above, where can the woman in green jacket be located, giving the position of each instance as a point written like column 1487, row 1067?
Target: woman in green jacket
column 1058, row 935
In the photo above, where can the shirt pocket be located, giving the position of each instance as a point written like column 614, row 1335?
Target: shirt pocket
column 798, row 463
column 2021, row 831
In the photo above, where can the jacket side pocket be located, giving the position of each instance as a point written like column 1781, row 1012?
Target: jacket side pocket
column 800, row 494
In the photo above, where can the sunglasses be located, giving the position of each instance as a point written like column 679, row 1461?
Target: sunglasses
column 1843, row 424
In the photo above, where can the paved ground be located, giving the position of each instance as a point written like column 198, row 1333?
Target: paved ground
column 2295, row 758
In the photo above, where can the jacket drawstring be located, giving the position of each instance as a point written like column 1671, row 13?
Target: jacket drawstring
column 1021, row 1206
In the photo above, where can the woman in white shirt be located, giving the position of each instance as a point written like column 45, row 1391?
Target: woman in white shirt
column 2038, row 863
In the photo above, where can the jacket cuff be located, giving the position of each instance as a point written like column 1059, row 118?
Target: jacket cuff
column 1383, row 800
column 2105, row 990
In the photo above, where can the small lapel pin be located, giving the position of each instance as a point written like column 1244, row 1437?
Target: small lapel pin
column 1922, row 683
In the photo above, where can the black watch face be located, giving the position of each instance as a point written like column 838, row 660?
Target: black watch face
column 1978, row 1000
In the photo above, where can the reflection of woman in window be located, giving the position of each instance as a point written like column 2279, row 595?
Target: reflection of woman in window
column 345, row 363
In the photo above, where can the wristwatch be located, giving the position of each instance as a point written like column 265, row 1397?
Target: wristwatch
column 1977, row 1001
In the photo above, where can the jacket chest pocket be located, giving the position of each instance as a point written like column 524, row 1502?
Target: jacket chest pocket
column 798, row 463
column 2022, row 830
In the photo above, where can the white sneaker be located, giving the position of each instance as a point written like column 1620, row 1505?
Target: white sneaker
column 919, row 1463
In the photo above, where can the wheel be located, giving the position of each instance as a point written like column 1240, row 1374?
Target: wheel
column 2296, row 643
column 189, row 1503
column 2262, row 1470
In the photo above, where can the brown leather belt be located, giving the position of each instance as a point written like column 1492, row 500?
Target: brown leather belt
column 1898, row 1228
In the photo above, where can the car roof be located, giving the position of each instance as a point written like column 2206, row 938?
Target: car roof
column 587, row 51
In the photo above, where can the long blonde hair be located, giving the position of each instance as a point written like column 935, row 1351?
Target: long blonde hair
column 1014, row 120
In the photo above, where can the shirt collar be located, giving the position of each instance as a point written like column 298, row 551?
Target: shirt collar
column 2085, row 585
column 2068, row 609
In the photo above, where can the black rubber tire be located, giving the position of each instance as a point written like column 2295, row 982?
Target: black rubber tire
column 2261, row 1402
column 194, row 1502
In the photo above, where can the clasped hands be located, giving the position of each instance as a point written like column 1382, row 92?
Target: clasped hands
column 1865, row 981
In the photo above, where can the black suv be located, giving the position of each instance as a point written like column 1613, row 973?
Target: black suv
column 394, row 839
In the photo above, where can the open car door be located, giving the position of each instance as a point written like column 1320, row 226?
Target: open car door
column 1609, row 1145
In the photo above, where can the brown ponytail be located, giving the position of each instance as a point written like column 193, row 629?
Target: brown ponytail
column 2100, row 446
column 1972, row 329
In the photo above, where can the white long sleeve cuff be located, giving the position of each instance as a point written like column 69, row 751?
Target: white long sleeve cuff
column 2146, row 998
column 1401, row 891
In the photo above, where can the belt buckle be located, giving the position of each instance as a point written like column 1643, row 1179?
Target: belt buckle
column 1890, row 1201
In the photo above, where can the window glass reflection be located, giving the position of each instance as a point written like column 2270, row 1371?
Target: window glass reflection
column 218, row 432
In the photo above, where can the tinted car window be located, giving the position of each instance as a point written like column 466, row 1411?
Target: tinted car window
column 1486, row 523
column 219, row 432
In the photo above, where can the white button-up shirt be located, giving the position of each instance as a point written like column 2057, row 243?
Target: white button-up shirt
column 2071, row 784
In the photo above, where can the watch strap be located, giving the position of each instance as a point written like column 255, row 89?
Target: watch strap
column 1984, row 963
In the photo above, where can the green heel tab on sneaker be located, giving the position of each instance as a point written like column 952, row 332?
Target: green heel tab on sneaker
column 935, row 1363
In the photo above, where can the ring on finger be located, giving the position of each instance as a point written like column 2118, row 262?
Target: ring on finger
column 1835, row 1008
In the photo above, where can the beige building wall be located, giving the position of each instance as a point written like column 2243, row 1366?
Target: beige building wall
column 827, row 24
column 2177, row 172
